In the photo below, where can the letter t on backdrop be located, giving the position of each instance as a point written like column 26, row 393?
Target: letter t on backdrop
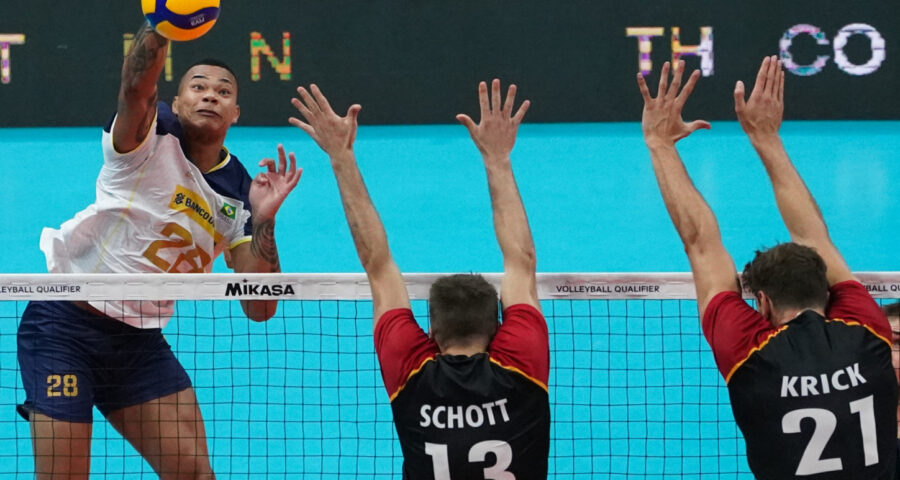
column 7, row 39
column 645, row 45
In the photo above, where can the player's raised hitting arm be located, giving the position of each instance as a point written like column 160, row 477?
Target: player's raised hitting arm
column 712, row 266
column 267, row 193
column 495, row 137
column 138, row 92
column 760, row 117
column 335, row 135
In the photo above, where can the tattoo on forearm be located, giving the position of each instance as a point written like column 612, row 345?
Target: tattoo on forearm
column 144, row 51
column 263, row 244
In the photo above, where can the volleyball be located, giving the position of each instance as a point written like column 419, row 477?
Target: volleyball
column 181, row 20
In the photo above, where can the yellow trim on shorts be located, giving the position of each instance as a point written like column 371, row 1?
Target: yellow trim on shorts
column 420, row 367
column 514, row 369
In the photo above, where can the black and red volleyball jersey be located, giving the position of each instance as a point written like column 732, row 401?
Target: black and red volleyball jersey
column 815, row 398
column 469, row 417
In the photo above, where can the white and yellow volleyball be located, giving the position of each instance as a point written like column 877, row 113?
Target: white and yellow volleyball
column 181, row 20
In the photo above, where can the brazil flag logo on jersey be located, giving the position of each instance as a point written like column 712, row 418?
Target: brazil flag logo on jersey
column 228, row 211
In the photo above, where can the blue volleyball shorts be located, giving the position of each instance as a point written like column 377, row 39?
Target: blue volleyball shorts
column 72, row 360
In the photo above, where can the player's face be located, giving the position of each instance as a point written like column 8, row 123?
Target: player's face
column 207, row 100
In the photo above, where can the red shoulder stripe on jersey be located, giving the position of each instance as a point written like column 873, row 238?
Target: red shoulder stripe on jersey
column 401, row 387
column 754, row 350
column 514, row 369
column 857, row 324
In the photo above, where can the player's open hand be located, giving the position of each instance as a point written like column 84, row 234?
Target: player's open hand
column 333, row 133
column 661, row 120
column 495, row 135
column 762, row 114
column 270, row 188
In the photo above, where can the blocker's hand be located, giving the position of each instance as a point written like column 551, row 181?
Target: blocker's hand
column 333, row 133
column 762, row 114
column 661, row 120
column 495, row 135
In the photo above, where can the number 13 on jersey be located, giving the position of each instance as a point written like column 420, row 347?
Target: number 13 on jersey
column 501, row 452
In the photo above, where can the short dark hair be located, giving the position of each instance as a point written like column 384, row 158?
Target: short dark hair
column 790, row 274
column 462, row 306
column 214, row 62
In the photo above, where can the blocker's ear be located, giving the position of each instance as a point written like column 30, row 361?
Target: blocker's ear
column 764, row 305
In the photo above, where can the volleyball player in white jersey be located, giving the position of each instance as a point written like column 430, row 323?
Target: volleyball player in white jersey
column 170, row 198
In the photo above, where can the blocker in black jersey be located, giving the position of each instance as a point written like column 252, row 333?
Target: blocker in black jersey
column 469, row 417
column 815, row 398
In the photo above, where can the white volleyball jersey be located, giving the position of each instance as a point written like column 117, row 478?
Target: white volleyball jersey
column 155, row 211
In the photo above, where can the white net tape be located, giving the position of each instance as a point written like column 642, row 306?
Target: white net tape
column 354, row 286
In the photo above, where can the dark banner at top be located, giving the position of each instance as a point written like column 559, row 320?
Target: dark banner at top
column 411, row 62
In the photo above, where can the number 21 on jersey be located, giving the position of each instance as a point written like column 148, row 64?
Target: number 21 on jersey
column 812, row 462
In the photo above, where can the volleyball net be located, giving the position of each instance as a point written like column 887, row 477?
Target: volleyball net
column 634, row 390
